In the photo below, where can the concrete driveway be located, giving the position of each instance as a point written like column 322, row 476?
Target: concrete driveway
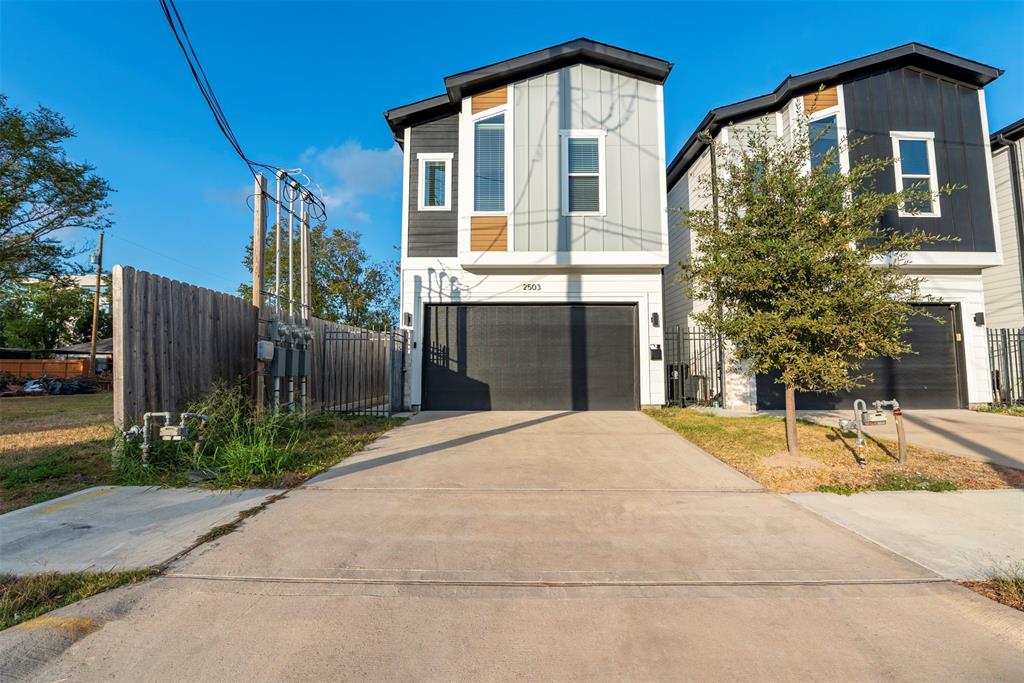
column 988, row 437
column 529, row 546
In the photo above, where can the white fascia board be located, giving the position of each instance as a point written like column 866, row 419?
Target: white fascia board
column 556, row 259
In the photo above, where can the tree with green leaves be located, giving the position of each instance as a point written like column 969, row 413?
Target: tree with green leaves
column 345, row 286
column 802, row 276
column 50, row 314
column 42, row 193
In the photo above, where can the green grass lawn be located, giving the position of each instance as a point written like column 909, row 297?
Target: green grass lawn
column 54, row 445
column 756, row 446
column 1015, row 410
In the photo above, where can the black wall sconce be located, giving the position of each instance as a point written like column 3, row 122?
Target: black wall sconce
column 655, row 320
column 979, row 319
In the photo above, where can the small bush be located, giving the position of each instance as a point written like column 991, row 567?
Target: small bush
column 243, row 448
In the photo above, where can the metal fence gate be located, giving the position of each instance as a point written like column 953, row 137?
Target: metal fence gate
column 1006, row 360
column 364, row 371
column 693, row 366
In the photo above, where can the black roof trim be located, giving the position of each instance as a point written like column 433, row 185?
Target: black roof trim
column 1011, row 133
column 911, row 54
column 579, row 51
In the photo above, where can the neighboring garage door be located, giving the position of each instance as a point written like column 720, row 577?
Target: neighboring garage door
column 929, row 378
column 530, row 357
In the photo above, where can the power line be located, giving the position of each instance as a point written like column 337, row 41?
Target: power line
column 206, row 90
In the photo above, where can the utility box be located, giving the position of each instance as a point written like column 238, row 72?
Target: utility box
column 277, row 364
column 872, row 418
column 264, row 350
column 292, row 363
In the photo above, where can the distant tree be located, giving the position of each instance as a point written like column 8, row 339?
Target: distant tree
column 42, row 192
column 50, row 314
column 801, row 276
column 345, row 285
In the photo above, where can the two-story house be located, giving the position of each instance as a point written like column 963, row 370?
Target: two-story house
column 926, row 109
column 1004, row 285
column 534, row 231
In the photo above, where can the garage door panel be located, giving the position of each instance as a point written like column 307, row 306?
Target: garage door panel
column 926, row 378
column 523, row 357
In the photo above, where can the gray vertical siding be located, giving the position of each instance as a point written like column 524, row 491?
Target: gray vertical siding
column 587, row 97
column 434, row 233
column 1004, row 301
column 907, row 99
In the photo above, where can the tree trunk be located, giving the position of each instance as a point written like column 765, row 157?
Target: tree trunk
column 791, row 441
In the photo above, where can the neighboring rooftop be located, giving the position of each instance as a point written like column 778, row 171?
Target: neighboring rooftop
column 1010, row 133
column 911, row 54
column 467, row 83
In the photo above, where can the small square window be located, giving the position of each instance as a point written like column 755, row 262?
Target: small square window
column 435, row 181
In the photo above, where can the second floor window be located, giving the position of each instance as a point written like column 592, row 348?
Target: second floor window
column 824, row 137
column 435, row 181
column 489, row 164
column 583, row 173
column 915, row 169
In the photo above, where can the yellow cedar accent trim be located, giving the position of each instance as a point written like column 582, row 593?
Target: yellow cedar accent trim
column 489, row 99
column 488, row 233
column 823, row 99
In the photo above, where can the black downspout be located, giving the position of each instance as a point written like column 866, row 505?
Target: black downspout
column 1018, row 203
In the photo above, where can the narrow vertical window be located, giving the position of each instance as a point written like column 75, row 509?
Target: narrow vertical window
column 914, row 153
column 824, row 139
column 435, row 181
column 583, row 176
column 489, row 164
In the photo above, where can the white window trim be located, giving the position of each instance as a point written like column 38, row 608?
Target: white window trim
column 421, row 159
column 933, row 179
column 565, row 136
column 505, row 109
column 839, row 111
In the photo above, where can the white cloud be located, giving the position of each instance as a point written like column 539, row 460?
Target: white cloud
column 351, row 174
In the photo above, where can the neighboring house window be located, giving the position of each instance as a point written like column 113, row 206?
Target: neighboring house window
column 489, row 164
column 435, row 181
column 824, row 137
column 583, row 182
column 915, row 168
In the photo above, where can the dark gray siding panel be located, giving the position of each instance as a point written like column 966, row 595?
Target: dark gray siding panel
column 907, row 99
column 434, row 233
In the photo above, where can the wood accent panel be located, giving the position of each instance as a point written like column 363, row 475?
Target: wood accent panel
column 823, row 99
column 491, row 98
column 488, row 233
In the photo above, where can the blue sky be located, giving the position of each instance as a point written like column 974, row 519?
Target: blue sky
column 304, row 84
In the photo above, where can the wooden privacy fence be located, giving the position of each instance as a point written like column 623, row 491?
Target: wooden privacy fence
column 51, row 368
column 173, row 340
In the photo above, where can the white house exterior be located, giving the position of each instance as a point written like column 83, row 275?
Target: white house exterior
column 927, row 109
column 534, row 232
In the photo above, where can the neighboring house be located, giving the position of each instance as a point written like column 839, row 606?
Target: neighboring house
column 926, row 108
column 534, row 231
column 1004, row 285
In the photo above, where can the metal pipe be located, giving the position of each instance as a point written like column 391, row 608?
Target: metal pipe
column 277, row 246
column 291, row 252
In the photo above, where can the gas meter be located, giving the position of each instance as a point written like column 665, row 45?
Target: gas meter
column 868, row 418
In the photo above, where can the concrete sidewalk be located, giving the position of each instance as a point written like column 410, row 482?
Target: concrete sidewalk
column 959, row 534
column 530, row 546
column 114, row 527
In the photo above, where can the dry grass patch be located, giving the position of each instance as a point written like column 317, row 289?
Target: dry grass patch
column 25, row 597
column 756, row 447
column 1005, row 586
column 53, row 445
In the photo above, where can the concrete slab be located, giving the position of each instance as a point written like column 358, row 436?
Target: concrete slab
column 177, row 630
column 538, row 450
column 114, row 527
column 959, row 535
column 543, row 536
column 987, row 437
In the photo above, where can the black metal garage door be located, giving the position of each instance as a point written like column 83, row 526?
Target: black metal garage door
column 929, row 378
column 530, row 357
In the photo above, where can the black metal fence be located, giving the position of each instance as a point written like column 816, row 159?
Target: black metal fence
column 693, row 366
column 1006, row 360
column 363, row 371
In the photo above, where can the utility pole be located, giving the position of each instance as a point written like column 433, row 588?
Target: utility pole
column 96, row 306
column 259, row 240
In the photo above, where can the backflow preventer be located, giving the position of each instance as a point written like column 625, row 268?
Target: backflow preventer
column 862, row 417
column 168, row 431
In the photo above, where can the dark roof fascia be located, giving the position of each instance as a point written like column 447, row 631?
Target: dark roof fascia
column 467, row 83
column 579, row 51
column 1011, row 133
column 911, row 54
